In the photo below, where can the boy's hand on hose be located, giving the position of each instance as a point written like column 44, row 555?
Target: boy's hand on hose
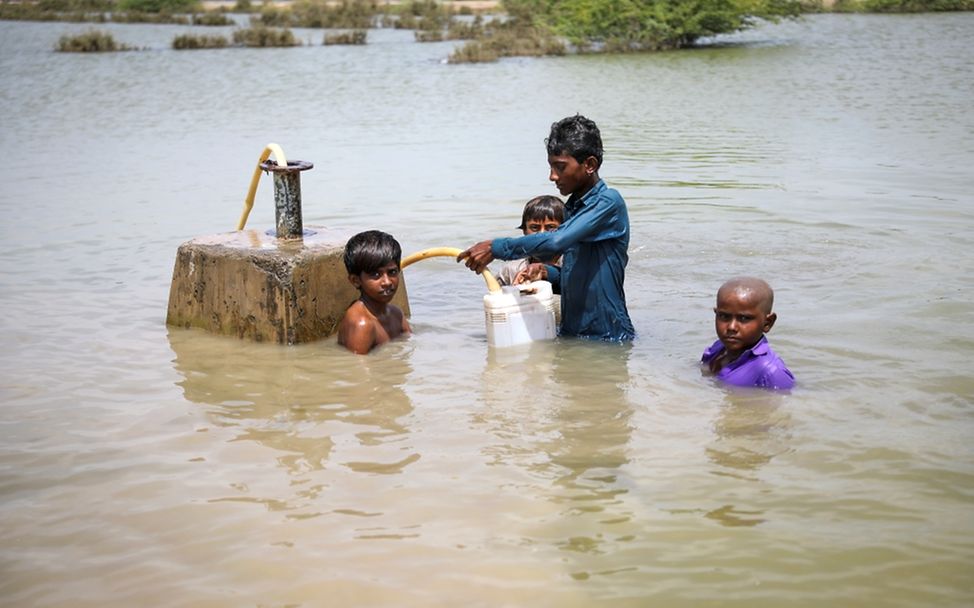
column 477, row 257
column 536, row 271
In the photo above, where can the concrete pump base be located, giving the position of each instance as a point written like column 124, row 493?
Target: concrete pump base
column 253, row 285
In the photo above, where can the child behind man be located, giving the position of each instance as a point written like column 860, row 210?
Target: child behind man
column 594, row 239
column 742, row 356
column 372, row 260
column 541, row 214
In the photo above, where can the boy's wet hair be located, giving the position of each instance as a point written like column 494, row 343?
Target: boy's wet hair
column 370, row 250
column 576, row 136
column 542, row 207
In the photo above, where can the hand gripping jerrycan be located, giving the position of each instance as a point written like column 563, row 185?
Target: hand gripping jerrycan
column 520, row 314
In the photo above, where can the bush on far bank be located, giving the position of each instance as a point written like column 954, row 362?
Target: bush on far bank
column 159, row 6
column 901, row 6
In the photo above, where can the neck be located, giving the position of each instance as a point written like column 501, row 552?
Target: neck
column 594, row 179
column 376, row 308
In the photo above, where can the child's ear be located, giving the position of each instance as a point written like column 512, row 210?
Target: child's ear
column 355, row 280
column 591, row 165
column 769, row 320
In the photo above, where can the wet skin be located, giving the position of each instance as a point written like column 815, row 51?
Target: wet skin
column 379, row 286
column 741, row 318
column 372, row 320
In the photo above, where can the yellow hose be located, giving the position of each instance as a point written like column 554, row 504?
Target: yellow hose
column 453, row 252
column 249, row 201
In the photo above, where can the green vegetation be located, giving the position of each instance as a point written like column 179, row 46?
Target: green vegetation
column 74, row 6
column 645, row 24
column 189, row 42
column 260, row 36
column 141, row 17
column 93, row 41
column 212, row 18
column 541, row 27
column 427, row 15
column 528, row 27
column 320, row 14
column 158, row 6
column 463, row 30
column 102, row 11
column 901, row 6
column 352, row 37
column 344, row 15
column 428, row 35
column 75, row 11
column 511, row 38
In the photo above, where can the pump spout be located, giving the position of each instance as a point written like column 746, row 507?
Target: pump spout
column 269, row 149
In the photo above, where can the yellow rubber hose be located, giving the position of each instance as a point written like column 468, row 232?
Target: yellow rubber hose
column 249, row 201
column 453, row 252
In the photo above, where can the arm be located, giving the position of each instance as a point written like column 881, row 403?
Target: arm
column 598, row 219
column 775, row 376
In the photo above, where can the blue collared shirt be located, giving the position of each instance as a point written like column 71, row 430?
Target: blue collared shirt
column 594, row 241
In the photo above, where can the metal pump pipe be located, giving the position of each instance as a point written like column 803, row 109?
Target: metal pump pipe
column 287, row 196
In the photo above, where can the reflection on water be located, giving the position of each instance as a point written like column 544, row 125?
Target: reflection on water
column 750, row 429
column 593, row 423
column 287, row 404
column 560, row 411
column 143, row 466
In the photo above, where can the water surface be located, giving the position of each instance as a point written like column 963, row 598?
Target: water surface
column 143, row 465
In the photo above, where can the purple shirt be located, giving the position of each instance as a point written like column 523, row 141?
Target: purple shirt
column 758, row 366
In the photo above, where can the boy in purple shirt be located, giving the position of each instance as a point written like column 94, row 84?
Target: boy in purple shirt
column 742, row 356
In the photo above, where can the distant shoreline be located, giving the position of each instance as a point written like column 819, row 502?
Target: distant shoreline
column 474, row 5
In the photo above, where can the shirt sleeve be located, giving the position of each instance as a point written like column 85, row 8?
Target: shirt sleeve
column 776, row 376
column 598, row 219
column 554, row 277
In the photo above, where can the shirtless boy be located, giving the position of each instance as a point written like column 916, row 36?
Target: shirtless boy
column 372, row 261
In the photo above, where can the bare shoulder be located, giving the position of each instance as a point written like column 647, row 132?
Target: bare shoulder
column 401, row 318
column 356, row 332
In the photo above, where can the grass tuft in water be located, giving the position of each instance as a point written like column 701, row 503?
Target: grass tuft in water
column 260, row 36
column 93, row 41
column 190, row 41
column 507, row 40
column 352, row 37
column 212, row 18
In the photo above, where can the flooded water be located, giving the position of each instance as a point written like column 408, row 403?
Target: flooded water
column 147, row 466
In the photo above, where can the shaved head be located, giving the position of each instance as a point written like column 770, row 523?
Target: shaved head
column 750, row 289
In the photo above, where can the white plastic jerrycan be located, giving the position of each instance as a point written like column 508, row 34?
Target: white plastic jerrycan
column 520, row 313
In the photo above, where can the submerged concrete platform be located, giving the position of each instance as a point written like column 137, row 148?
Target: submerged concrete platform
column 253, row 285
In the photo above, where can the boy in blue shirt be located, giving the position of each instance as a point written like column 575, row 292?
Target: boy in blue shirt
column 742, row 356
column 593, row 240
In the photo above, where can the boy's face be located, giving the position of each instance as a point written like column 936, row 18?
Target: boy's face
column 534, row 226
column 570, row 175
column 380, row 285
column 741, row 318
